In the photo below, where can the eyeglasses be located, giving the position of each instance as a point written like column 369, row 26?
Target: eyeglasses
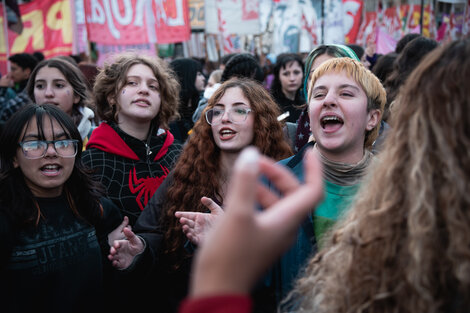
column 236, row 115
column 36, row 149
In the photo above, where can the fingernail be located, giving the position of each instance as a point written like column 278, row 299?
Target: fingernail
column 248, row 160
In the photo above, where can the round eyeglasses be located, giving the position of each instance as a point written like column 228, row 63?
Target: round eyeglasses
column 36, row 149
column 236, row 115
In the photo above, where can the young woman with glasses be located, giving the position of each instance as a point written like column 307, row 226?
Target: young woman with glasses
column 61, row 83
column 346, row 102
column 239, row 114
column 54, row 221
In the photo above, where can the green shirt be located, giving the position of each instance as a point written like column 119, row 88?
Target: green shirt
column 337, row 201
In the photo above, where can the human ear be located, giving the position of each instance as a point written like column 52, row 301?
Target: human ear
column 27, row 71
column 373, row 119
column 15, row 163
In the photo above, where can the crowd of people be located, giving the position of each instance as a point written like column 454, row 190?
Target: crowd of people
column 334, row 181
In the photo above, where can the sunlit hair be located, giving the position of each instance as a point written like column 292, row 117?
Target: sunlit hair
column 17, row 200
column 405, row 244
column 197, row 172
column 113, row 76
column 74, row 77
column 375, row 92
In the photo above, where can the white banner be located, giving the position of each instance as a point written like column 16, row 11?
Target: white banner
column 239, row 17
column 287, row 22
column 334, row 32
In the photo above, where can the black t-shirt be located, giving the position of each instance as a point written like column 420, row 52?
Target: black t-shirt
column 55, row 266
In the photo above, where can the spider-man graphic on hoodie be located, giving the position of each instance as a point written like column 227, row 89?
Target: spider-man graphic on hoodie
column 130, row 169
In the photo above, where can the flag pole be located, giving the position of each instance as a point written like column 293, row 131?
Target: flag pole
column 421, row 18
column 5, row 33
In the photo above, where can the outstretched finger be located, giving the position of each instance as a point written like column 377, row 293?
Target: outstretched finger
column 295, row 207
column 243, row 185
column 188, row 222
column 124, row 223
column 211, row 205
column 133, row 239
column 280, row 176
column 186, row 214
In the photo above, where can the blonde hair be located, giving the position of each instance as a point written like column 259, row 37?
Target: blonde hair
column 375, row 92
column 216, row 75
column 405, row 244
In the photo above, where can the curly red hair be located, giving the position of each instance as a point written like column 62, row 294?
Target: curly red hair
column 198, row 169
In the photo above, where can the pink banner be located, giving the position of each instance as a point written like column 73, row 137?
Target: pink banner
column 385, row 42
column 129, row 22
column 392, row 22
column 106, row 52
column 172, row 21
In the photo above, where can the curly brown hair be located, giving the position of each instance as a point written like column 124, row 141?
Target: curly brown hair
column 112, row 77
column 198, row 169
column 405, row 245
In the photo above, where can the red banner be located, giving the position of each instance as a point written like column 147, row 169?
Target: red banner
column 130, row 22
column 414, row 19
column 47, row 27
column 352, row 19
column 368, row 29
column 392, row 22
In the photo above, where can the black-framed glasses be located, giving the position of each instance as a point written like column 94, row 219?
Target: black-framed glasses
column 36, row 149
column 236, row 115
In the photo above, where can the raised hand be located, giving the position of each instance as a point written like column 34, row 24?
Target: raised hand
column 123, row 252
column 196, row 224
column 245, row 241
column 117, row 233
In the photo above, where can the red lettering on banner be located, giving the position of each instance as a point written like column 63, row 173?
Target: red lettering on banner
column 249, row 10
column 113, row 22
column 172, row 23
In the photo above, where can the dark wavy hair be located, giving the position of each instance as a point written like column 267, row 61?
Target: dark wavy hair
column 243, row 65
column 412, row 54
column 186, row 70
column 17, row 200
column 112, row 77
column 75, row 78
column 197, row 172
column 405, row 244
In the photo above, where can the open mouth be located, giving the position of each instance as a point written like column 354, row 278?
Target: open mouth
column 142, row 101
column 226, row 133
column 331, row 121
column 50, row 169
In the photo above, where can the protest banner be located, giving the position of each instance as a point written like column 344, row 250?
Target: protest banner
column 47, row 27
column 131, row 22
